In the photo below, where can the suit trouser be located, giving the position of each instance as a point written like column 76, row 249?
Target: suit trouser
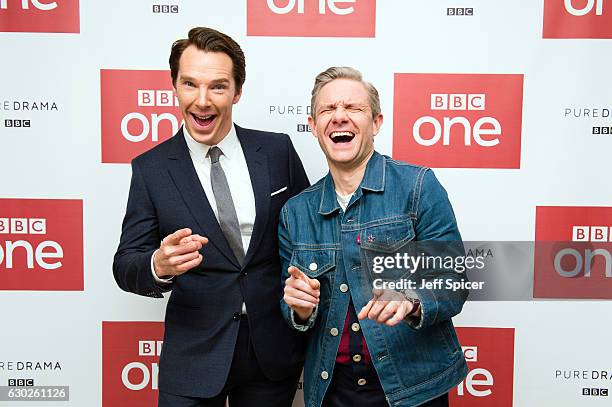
column 246, row 384
column 346, row 391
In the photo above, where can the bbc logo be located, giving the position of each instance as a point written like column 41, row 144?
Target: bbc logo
column 151, row 98
column 150, row 348
column 460, row 11
column 165, row 8
column 16, row 123
column 21, row 382
column 303, row 128
column 586, row 391
column 23, row 226
column 602, row 130
column 457, row 101
column 470, row 353
column 591, row 233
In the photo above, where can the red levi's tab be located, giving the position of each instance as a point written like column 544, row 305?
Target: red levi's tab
column 458, row 120
column 311, row 18
column 60, row 16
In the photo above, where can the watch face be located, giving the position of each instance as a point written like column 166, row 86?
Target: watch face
column 416, row 304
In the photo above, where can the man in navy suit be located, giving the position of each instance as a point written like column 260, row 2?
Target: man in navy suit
column 212, row 196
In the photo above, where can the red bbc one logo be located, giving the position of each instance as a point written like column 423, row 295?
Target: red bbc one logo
column 573, row 252
column 489, row 353
column 41, row 244
column 577, row 19
column 311, row 18
column 458, row 120
column 139, row 109
column 130, row 357
column 60, row 16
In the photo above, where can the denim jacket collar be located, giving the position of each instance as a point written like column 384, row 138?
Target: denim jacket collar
column 373, row 180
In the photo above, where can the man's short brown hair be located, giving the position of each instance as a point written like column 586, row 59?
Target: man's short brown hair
column 209, row 40
column 343, row 72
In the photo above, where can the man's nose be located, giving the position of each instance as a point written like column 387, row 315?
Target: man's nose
column 203, row 100
column 340, row 115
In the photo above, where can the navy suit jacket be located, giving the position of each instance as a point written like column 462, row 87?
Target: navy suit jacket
column 201, row 324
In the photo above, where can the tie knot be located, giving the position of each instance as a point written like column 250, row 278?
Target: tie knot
column 214, row 153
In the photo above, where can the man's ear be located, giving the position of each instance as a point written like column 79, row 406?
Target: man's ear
column 378, row 121
column 311, row 123
column 237, row 96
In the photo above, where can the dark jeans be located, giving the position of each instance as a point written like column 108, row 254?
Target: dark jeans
column 246, row 385
column 344, row 390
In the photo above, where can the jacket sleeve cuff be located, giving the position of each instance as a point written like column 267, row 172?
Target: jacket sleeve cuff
column 309, row 322
column 157, row 279
column 428, row 308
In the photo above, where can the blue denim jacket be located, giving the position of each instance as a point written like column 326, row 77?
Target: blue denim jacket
column 416, row 360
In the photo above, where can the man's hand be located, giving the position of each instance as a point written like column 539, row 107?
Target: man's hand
column 178, row 253
column 387, row 307
column 301, row 292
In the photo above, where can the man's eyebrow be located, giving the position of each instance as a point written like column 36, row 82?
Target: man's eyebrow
column 325, row 105
column 186, row 78
column 214, row 81
column 345, row 104
column 220, row 80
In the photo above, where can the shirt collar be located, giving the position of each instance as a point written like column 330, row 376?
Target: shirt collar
column 199, row 151
column 374, row 177
column 373, row 180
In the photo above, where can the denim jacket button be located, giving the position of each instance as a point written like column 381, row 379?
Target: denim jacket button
column 313, row 266
column 343, row 288
column 333, row 332
column 324, row 375
column 355, row 327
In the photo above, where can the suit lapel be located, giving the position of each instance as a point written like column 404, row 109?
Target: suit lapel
column 257, row 162
column 186, row 179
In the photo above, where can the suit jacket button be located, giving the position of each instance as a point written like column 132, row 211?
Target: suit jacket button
column 236, row 316
column 243, row 274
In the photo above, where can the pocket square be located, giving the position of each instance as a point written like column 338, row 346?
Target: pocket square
column 278, row 192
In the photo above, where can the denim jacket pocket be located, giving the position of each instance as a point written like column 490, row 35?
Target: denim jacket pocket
column 387, row 237
column 314, row 262
column 384, row 240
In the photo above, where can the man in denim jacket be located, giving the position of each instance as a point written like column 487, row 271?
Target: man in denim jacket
column 368, row 347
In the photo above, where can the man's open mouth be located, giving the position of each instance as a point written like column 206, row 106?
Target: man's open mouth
column 204, row 120
column 342, row 136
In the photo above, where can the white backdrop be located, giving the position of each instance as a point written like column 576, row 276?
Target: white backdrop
column 60, row 157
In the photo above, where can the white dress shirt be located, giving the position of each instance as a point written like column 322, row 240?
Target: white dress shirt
column 236, row 171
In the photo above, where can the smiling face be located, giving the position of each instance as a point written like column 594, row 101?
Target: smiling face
column 343, row 123
column 206, row 91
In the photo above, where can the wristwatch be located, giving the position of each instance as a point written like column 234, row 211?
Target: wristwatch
column 416, row 305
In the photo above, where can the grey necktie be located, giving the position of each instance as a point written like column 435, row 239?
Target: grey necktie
column 228, row 220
